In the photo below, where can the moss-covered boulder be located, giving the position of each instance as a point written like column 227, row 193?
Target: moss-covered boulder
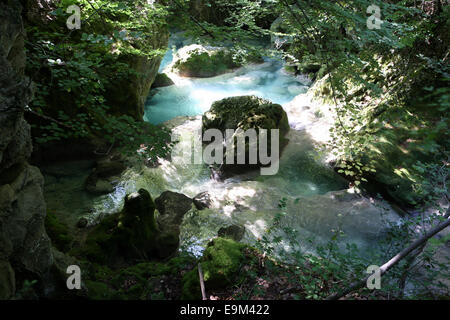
column 133, row 234
column 203, row 62
column 130, row 234
column 244, row 113
column 162, row 80
column 142, row 281
column 220, row 263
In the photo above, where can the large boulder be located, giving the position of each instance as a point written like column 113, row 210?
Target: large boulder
column 220, row 263
column 127, row 235
column 244, row 113
column 173, row 204
column 136, row 233
column 203, row 62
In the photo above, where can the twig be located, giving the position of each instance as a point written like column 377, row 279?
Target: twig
column 28, row 109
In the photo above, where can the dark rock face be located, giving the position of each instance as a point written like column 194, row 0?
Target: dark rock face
column 24, row 244
column 202, row 200
column 233, row 232
column 128, row 96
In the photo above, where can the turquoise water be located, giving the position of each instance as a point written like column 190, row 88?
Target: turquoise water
column 191, row 97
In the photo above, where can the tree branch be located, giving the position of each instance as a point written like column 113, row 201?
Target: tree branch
column 397, row 258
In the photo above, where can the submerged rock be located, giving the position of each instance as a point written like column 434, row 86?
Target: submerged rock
column 220, row 263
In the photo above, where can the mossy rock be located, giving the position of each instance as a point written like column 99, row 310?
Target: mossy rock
column 244, row 113
column 98, row 290
column 130, row 235
column 203, row 63
column 162, row 80
column 220, row 263
column 58, row 232
column 134, row 282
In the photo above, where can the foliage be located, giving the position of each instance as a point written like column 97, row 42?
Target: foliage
column 73, row 71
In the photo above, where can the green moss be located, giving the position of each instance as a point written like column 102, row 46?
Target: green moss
column 247, row 112
column 204, row 64
column 191, row 286
column 131, row 234
column 98, row 290
column 220, row 263
column 98, row 246
column 58, row 232
column 162, row 80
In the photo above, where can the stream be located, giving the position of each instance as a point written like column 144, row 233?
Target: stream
column 318, row 200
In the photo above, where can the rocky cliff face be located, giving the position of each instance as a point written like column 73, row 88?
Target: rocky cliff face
column 25, row 249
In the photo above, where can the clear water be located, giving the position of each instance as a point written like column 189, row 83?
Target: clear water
column 191, row 97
